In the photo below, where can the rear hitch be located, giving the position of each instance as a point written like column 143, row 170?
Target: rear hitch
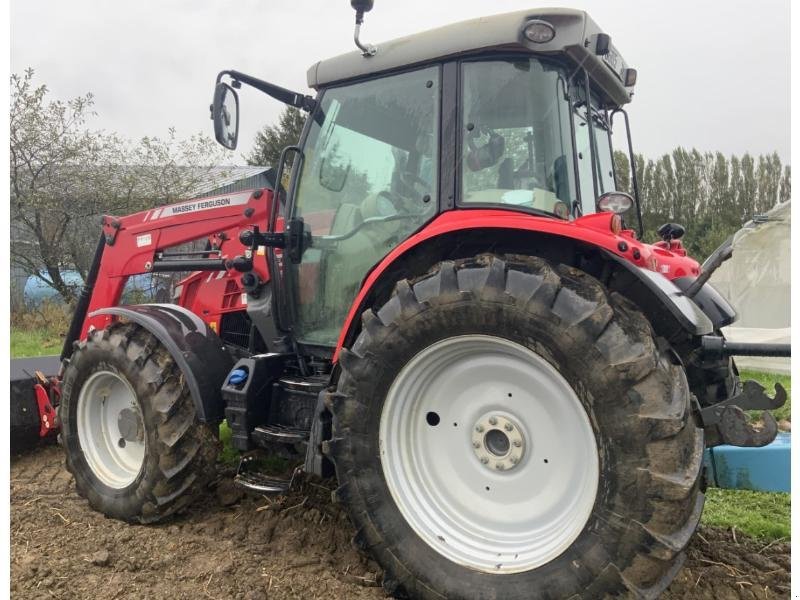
column 726, row 422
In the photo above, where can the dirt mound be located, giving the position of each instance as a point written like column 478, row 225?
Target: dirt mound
column 723, row 565
column 232, row 545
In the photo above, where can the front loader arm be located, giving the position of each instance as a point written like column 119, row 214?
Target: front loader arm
column 140, row 243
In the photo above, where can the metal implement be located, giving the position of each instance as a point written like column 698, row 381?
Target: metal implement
column 726, row 422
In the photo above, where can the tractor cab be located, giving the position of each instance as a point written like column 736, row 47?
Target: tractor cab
column 508, row 113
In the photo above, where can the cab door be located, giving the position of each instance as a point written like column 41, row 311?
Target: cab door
column 367, row 181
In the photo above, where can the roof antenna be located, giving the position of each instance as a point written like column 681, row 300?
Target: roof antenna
column 362, row 6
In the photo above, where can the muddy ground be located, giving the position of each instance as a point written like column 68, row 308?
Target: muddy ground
column 250, row 547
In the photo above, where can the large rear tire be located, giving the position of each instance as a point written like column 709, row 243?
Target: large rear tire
column 129, row 427
column 598, row 489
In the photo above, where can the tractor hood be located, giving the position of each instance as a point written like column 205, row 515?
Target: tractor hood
column 576, row 37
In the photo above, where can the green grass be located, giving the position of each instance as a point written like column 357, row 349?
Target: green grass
column 768, row 380
column 34, row 343
column 229, row 455
column 764, row 515
column 267, row 463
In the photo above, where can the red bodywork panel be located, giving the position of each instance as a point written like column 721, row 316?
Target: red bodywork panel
column 592, row 229
column 137, row 239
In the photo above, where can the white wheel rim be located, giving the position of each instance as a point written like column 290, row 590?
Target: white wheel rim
column 115, row 460
column 534, row 509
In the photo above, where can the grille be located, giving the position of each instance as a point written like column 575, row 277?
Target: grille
column 235, row 328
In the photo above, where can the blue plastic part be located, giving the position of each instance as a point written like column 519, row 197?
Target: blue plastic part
column 237, row 377
column 766, row 469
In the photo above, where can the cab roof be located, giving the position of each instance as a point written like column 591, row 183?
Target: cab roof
column 576, row 36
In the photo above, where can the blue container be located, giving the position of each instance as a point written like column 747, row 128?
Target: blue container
column 766, row 469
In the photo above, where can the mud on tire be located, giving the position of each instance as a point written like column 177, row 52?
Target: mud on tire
column 649, row 498
column 180, row 452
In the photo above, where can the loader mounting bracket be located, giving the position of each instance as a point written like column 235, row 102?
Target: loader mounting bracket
column 726, row 422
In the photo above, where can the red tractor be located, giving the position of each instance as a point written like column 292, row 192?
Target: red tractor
column 450, row 309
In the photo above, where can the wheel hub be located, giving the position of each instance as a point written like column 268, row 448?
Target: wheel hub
column 497, row 442
column 130, row 425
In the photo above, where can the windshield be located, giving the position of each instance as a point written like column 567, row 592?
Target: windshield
column 517, row 147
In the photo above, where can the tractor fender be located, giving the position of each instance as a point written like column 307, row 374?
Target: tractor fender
column 662, row 301
column 711, row 302
column 653, row 293
column 198, row 351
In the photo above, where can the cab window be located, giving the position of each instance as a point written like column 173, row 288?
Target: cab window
column 604, row 161
column 516, row 140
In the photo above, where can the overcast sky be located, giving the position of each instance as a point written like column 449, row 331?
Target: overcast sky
column 712, row 74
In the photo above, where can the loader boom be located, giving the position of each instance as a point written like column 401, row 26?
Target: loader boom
column 145, row 242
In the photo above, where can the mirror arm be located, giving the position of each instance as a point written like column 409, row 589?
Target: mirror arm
column 306, row 103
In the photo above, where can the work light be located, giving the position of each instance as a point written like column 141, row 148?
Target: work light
column 538, row 31
column 615, row 202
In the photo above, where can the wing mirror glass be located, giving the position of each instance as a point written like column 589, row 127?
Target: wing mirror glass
column 333, row 175
column 225, row 113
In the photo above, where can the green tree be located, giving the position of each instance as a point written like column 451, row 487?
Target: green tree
column 622, row 171
column 271, row 140
column 709, row 194
column 786, row 184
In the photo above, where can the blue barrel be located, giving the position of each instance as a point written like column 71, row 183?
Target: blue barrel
column 766, row 469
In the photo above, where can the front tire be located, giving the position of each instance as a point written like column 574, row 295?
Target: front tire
column 129, row 427
column 603, row 494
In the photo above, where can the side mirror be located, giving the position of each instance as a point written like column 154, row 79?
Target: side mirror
column 225, row 113
column 333, row 176
column 615, row 202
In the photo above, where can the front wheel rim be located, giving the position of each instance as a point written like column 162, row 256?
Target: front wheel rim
column 110, row 429
column 489, row 454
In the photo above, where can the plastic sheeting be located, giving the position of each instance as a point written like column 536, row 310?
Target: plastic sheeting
column 756, row 280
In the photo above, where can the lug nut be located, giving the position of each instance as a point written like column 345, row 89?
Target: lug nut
column 492, row 421
column 476, row 445
column 479, row 429
column 484, row 460
column 514, row 460
column 499, row 467
column 509, row 427
column 517, row 443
